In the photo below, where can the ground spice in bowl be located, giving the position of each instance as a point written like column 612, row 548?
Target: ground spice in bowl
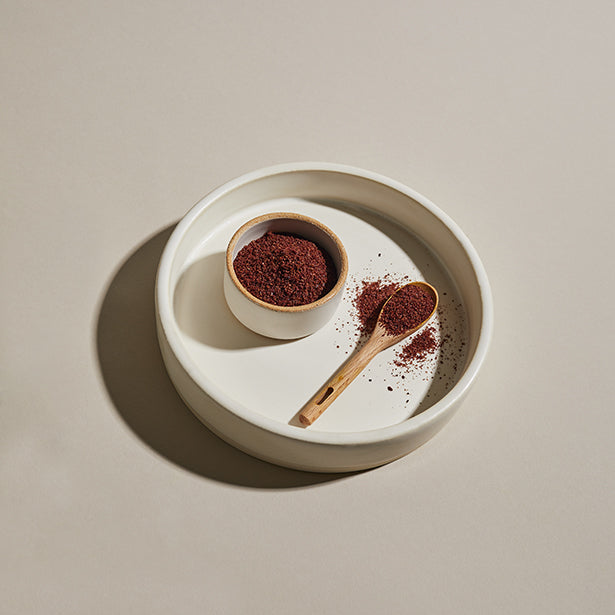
column 285, row 269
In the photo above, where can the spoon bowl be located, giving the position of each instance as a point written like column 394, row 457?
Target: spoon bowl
column 383, row 336
column 399, row 317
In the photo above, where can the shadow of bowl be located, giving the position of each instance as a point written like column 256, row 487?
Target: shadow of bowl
column 142, row 393
column 202, row 313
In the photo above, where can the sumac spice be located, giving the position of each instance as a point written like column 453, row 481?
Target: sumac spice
column 420, row 347
column 433, row 355
column 285, row 269
column 368, row 301
column 407, row 309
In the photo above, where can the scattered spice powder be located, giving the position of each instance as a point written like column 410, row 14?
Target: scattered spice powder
column 369, row 298
column 407, row 309
column 433, row 354
column 368, row 301
column 418, row 349
column 285, row 269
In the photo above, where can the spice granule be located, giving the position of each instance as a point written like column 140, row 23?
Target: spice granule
column 285, row 269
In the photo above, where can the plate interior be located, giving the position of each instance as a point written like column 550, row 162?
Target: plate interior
column 274, row 377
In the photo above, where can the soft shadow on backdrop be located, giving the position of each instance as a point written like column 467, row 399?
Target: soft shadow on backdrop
column 142, row 393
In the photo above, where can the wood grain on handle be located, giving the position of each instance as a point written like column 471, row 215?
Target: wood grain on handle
column 329, row 392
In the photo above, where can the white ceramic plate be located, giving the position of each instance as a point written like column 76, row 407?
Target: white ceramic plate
column 248, row 388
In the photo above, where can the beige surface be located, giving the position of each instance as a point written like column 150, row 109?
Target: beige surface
column 116, row 118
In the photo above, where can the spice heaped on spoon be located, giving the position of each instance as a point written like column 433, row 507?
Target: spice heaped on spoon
column 404, row 313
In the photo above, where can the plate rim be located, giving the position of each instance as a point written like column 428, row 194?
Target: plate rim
column 164, row 313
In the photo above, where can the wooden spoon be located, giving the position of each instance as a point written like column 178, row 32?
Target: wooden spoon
column 379, row 340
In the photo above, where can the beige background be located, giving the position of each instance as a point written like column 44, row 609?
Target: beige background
column 116, row 118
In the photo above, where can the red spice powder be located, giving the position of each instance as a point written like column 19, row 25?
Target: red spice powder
column 420, row 347
column 407, row 309
column 368, row 302
column 284, row 269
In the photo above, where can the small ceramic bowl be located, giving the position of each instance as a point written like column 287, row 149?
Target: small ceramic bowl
column 277, row 321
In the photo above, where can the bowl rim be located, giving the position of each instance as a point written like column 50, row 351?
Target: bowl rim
column 284, row 215
column 430, row 416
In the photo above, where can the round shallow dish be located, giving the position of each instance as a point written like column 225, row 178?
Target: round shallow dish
column 248, row 389
column 282, row 322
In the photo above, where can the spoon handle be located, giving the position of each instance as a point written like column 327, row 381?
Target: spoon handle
column 330, row 391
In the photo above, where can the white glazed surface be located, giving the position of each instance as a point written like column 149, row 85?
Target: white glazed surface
column 248, row 389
